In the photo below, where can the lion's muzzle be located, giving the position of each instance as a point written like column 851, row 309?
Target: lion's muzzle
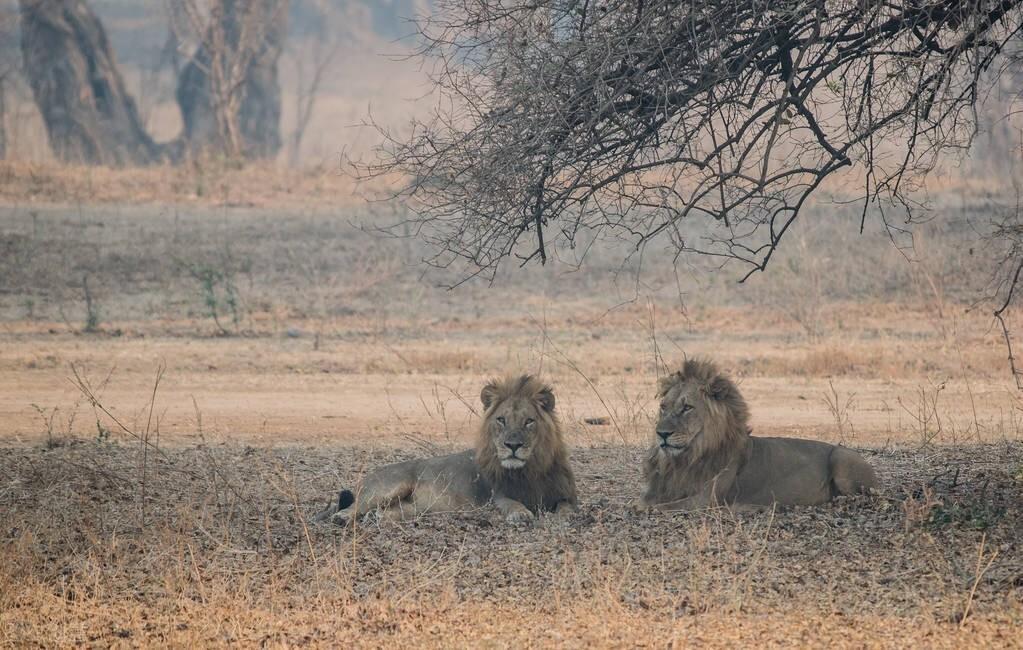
column 513, row 454
column 666, row 444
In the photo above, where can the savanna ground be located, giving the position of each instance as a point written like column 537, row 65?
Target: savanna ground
column 184, row 382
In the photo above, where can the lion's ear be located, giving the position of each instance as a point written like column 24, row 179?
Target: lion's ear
column 488, row 395
column 721, row 388
column 545, row 399
column 665, row 383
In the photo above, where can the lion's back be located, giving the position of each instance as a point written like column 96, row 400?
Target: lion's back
column 792, row 471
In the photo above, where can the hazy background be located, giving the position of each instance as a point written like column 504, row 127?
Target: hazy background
column 365, row 44
column 364, row 47
column 194, row 358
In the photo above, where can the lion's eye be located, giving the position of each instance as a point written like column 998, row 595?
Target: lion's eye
column 501, row 420
column 686, row 407
column 530, row 421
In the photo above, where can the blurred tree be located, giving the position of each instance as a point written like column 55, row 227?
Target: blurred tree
column 229, row 93
column 316, row 53
column 89, row 116
column 9, row 63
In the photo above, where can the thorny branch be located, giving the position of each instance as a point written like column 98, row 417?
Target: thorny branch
column 701, row 124
column 1011, row 232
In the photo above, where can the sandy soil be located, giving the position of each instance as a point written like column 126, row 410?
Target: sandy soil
column 353, row 388
column 209, row 545
column 338, row 357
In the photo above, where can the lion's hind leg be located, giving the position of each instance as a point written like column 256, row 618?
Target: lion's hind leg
column 384, row 493
column 850, row 473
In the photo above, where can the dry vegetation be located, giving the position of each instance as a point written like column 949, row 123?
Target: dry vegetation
column 209, row 545
column 210, row 182
column 298, row 351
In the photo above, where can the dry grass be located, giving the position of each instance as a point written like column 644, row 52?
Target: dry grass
column 300, row 352
column 222, row 554
column 208, row 182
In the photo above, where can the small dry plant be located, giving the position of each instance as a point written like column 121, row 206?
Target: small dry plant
column 148, row 437
column 59, row 430
column 984, row 563
column 918, row 506
column 839, row 409
column 924, row 413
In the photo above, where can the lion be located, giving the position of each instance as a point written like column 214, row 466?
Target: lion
column 520, row 464
column 704, row 455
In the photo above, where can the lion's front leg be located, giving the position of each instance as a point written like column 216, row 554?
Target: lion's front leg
column 687, row 504
column 511, row 509
column 641, row 505
column 565, row 508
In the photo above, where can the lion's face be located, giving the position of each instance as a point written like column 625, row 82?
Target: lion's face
column 701, row 410
column 681, row 418
column 513, row 424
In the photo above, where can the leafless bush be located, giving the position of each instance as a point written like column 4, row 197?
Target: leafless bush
column 839, row 410
column 929, row 284
column 314, row 55
column 1008, row 233
column 923, row 409
column 798, row 285
column 228, row 93
column 708, row 125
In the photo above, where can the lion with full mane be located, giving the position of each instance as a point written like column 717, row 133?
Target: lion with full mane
column 520, row 464
column 705, row 456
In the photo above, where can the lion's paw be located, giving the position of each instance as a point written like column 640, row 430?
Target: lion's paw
column 640, row 507
column 519, row 515
column 341, row 518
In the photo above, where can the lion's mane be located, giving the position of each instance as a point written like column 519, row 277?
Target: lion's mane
column 547, row 477
column 724, row 434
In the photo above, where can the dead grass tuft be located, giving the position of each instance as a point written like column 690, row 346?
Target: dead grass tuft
column 208, row 182
column 223, row 555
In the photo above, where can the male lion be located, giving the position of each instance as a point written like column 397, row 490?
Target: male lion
column 520, row 464
column 705, row 455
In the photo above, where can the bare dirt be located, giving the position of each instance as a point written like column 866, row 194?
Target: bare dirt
column 179, row 516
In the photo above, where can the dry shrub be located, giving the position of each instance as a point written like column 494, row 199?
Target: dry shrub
column 819, row 361
column 918, row 506
column 223, row 555
column 210, row 181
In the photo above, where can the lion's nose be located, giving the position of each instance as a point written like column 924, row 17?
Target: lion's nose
column 664, row 435
column 514, row 446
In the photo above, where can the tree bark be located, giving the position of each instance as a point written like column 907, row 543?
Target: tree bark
column 89, row 115
column 229, row 93
column 3, row 117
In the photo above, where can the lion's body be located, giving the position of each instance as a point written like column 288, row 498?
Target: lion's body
column 415, row 487
column 764, row 471
column 707, row 456
column 520, row 464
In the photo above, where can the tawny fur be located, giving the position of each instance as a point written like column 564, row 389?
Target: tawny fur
column 547, row 478
column 707, row 456
column 543, row 482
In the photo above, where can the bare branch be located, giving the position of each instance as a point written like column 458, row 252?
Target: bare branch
column 704, row 126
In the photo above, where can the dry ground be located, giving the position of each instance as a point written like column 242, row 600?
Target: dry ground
column 330, row 354
column 208, row 545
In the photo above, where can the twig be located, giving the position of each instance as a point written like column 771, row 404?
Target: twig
column 81, row 384
column 1016, row 373
column 978, row 574
column 565, row 360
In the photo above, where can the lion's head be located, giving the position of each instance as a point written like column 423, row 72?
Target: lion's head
column 521, row 450
column 701, row 412
column 519, row 427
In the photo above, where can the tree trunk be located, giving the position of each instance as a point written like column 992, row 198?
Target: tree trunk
column 229, row 93
column 89, row 116
column 3, row 117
